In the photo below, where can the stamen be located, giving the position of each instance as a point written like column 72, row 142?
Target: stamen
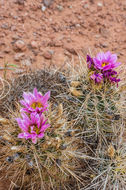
column 36, row 104
column 104, row 64
column 35, row 128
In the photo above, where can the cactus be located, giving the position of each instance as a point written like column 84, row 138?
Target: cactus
column 48, row 164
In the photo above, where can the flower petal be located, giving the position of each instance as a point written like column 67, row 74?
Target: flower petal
column 41, row 135
column 46, row 96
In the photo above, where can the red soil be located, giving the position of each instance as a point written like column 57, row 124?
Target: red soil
column 54, row 35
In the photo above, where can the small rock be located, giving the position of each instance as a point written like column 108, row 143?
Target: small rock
column 71, row 50
column 13, row 28
column 19, row 45
column 34, row 45
column 43, row 8
column 78, row 25
column 20, row 2
column 104, row 45
column 5, row 26
column 97, row 36
column 19, row 56
column 104, row 32
column 51, row 51
column 86, row 6
column 7, row 50
column 47, row 3
column 15, row 37
column 92, row 1
column 100, row 5
column 60, row 7
column 26, row 62
column 117, row 30
column 47, row 55
column 58, row 43
column 2, row 35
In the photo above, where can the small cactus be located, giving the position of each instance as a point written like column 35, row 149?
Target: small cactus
column 48, row 163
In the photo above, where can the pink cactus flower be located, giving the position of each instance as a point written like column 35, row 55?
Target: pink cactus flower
column 105, row 61
column 97, row 77
column 90, row 62
column 32, row 127
column 35, row 102
column 111, row 75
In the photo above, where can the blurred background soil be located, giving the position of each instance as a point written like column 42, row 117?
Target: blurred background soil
column 34, row 33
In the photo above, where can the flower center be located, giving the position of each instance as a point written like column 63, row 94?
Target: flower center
column 35, row 129
column 36, row 104
column 104, row 64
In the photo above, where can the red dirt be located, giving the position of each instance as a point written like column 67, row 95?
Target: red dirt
column 55, row 35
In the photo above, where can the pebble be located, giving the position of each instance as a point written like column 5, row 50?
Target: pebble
column 99, row 4
column 13, row 28
column 26, row 62
column 34, row 45
column 19, row 45
column 58, row 43
column 104, row 45
column 47, row 55
column 43, row 8
column 51, row 51
column 47, row 3
column 20, row 2
column 7, row 50
column 19, row 56
column 71, row 50
column 15, row 37
column 60, row 7
column 104, row 32
column 78, row 25
column 86, row 6
column 5, row 26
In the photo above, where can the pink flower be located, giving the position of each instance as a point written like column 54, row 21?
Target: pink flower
column 105, row 61
column 97, row 77
column 32, row 127
column 35, row 102
column 90, row 62
column 111, row 75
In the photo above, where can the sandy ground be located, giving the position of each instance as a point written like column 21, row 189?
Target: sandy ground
column 34, row 33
